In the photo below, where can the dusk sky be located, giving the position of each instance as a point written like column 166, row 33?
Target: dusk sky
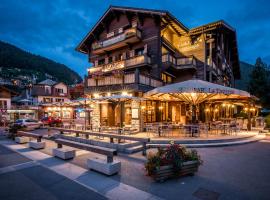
column 53, row 28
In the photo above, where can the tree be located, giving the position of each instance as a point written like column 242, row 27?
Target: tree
column 259, row 84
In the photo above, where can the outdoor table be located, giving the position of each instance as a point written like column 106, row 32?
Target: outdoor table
column 224, row 126
column 192, row 128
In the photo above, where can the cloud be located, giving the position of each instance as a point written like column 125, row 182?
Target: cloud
column 54, row 28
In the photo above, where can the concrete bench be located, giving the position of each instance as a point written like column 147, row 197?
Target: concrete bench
column 107, row 166
column 33, row 144
column 111, row 136
column 22, row 140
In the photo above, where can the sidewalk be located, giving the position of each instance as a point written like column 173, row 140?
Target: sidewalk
column 101, row 184
column 24, row 179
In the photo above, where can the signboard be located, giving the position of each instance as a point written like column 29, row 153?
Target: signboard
column 135, row 113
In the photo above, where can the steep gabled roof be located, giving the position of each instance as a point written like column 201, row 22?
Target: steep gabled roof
column 162, row 13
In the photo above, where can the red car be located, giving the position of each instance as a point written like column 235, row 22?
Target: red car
column 51, row 121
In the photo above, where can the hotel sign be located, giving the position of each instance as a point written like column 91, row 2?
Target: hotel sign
column 206, row 90
column 113, row 66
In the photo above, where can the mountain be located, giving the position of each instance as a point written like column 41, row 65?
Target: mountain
column 245, row 70
column 18, row 64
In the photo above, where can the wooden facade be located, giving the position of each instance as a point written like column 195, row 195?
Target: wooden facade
column 129, row 45
column 136, row 50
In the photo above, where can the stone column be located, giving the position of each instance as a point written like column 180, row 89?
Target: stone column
column 135, row 117
column 95, row 118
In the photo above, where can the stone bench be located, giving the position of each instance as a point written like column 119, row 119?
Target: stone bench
column 106, row 166
column 63, row 153
column 33, row 144
column 22, row 140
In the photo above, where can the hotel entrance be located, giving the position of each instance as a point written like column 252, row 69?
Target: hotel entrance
column 116, row 114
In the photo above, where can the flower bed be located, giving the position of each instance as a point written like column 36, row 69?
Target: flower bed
column 174, row 161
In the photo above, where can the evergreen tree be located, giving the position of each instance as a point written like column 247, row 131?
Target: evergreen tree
column 259, row 84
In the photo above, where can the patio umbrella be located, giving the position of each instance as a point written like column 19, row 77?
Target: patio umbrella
column 195, row 92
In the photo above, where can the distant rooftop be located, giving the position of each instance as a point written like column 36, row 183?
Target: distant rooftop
column 47, row 82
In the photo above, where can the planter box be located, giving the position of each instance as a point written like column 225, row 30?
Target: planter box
column 166, row 172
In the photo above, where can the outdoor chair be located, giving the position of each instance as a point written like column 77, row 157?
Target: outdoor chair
column 234, row 128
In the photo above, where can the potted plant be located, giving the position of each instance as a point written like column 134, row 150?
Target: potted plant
column 174, row 161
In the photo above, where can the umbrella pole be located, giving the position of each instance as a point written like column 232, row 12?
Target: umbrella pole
column 194, row 114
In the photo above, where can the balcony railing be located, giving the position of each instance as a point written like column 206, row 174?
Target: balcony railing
column 125, row 79
column 179, row 63
column 135, row 61
column 127, row 35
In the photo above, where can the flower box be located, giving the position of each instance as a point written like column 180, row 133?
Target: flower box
column 165, row 172
column 173, row 161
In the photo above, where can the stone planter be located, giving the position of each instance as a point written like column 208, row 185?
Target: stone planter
column 166, row 172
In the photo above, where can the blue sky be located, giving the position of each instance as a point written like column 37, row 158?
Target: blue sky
column 53, row 28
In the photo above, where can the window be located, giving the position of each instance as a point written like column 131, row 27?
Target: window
column 118, row 57
column 101, row 62
column 59, row 90
column 3, row 104
column 139, row 52
column 47, row 100
column 166, row 78
column 110, row 60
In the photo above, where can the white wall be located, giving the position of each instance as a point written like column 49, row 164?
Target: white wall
column 8, row 100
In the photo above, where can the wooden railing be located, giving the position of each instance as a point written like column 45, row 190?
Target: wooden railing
column 117, row 38
column 179, row 62
column 118, row 65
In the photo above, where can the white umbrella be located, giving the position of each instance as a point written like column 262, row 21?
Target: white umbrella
column 195, row 92
column 118, row 98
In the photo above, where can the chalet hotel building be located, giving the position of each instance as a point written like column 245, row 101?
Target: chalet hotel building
column 134, row 50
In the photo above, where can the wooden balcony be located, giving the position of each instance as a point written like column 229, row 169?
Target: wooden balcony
column 118, row 65
column 179, row 63
column 123, row 39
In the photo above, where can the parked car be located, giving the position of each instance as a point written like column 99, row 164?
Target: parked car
column 29, row 124
column 51, row 121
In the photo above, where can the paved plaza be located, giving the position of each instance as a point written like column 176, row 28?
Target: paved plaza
column 236, row 172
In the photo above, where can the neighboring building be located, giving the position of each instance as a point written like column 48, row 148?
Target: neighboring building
column 76, row 91
column 135, row 50
column 5, row 102
column 49, row 91
column 5, row 98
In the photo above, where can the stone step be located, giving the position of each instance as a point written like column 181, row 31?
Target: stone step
column 218, row 144
column 202, row 141
column 133, row 149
